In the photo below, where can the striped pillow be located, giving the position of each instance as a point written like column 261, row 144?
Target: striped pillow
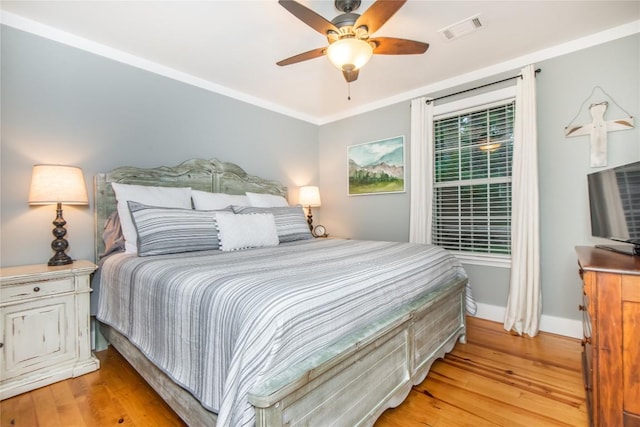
column 291, row 222
column 173, row 230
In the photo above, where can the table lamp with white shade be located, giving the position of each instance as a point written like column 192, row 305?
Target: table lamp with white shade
column 309, row 196
column 58, row 184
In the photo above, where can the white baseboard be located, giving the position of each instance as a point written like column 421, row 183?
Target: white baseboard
column 552, row 324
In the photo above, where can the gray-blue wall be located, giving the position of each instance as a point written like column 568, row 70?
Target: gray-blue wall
column 562, row 86
column 63, row 105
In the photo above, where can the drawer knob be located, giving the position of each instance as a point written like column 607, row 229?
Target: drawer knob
column 36, row 289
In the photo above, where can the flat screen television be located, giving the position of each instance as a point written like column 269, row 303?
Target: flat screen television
column 614, row 202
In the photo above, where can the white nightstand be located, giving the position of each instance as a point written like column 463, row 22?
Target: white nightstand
column 44, row 321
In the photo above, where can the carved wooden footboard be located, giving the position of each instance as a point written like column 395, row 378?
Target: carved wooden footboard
column 352, row 382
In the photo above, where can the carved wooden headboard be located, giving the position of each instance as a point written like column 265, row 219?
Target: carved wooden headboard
column 212, row 175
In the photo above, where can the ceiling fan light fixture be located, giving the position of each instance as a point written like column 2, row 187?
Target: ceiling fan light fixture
column 349, row 54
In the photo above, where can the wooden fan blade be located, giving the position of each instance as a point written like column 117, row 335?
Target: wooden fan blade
column 315, row 53
column 393, row 46
column 350, row 76
column 378, row 13
column 309, row 17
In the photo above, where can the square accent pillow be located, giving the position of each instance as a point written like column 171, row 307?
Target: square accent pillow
column 166, row 197
column 163, row 231
column 291, row 222
column 246, row 231
column 266, row 200
column 205, row 201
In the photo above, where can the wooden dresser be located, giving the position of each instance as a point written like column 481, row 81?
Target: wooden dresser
column 611, row 356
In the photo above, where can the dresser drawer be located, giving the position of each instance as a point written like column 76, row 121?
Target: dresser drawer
column 35, row 289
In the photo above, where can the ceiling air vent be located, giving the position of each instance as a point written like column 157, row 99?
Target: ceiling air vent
column 461, row 28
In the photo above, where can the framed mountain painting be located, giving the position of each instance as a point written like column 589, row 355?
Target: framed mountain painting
column 376, row 167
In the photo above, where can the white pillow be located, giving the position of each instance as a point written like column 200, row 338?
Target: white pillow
column 205, row 201
column 266, row 200
column 246, row 231
column 165, row 197
column 291, row 223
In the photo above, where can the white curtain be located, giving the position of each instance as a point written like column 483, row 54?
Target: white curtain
column 421, row 170
column 524, row 302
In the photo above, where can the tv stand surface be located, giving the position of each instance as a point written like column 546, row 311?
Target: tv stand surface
column 623, row 249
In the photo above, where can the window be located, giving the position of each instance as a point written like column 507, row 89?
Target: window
column 472, row 180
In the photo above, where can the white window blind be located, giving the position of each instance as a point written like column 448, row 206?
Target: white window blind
column 472, row 179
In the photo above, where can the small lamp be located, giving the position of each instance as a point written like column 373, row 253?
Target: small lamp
column 57, row 184
column 309, row 196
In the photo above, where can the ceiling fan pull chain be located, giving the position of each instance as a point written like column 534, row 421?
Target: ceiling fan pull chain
column 348, row 91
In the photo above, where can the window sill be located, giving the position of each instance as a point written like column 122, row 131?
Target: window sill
column 487, row 260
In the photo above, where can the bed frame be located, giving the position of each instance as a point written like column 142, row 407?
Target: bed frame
column 350, row 382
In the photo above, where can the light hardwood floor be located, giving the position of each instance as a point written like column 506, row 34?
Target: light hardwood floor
column 496, row 379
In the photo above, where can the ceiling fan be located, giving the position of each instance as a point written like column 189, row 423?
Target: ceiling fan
column 348, row 34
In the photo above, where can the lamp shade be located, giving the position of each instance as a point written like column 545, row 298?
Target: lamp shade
column 309, row 196
column 51, row 184
column 349, row 54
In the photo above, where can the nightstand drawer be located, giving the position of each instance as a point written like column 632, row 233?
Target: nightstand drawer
column 35, row 289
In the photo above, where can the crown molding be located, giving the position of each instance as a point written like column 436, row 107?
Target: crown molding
column 514, row 64
column 51, row 33
column 33, row 27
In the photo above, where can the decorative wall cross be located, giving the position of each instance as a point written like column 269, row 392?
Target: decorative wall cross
column 598, row 129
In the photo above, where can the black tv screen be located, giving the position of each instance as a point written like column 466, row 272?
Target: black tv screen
column 614, row 201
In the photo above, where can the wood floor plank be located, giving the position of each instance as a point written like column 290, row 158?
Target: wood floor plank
column 96, row 402
column 420, row 410
column 494, row 410
column 45, row 407
column 549, row 348
column 490, row 359
column 540, row 379
column 68, row 410
column 496, row 379
column 25, row 413
column 504, row 398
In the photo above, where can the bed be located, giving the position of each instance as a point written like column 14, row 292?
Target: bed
column 284, row 353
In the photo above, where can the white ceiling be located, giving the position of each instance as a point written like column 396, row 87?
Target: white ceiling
column 232, row 46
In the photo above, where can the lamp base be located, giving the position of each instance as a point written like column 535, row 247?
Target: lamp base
column 60, row 244
column 60, row 258
column 310, row 219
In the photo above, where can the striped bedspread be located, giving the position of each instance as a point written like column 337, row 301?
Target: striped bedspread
column 219, row 322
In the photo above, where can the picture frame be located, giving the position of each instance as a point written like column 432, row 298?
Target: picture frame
column 376, row 167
